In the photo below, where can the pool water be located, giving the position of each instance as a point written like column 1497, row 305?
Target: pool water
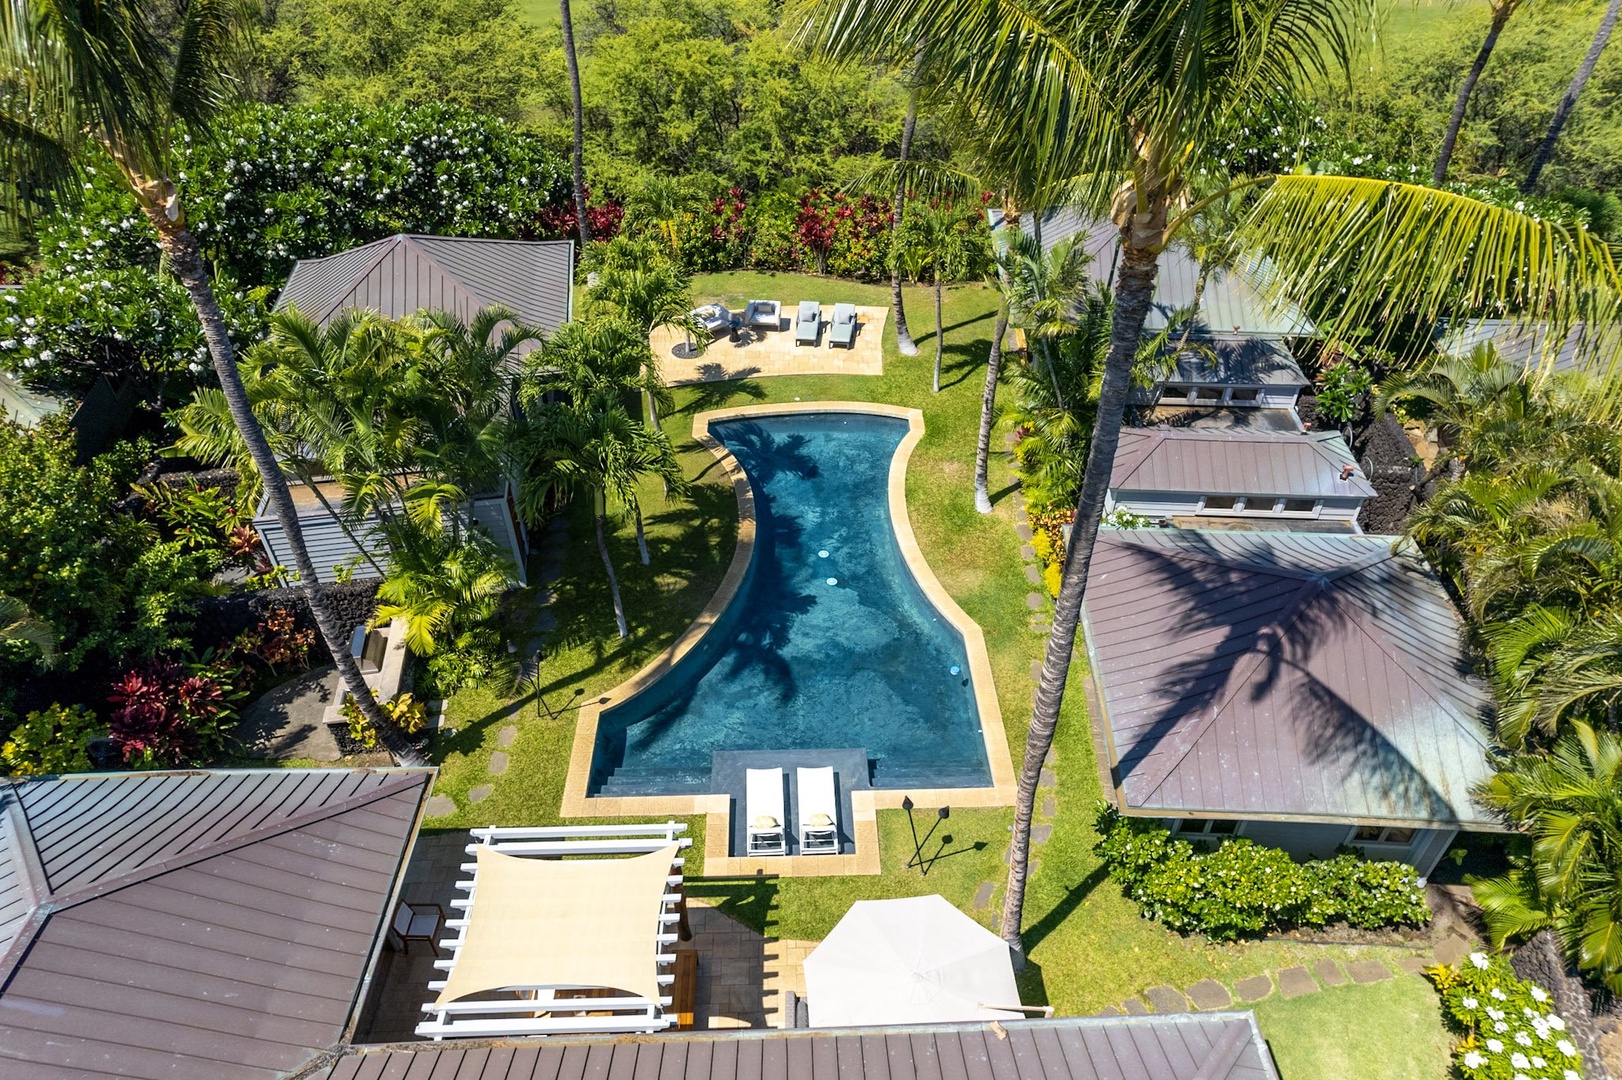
column 829, row 643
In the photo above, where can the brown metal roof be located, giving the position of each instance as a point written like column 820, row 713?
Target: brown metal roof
column 1306, row 464
column 1205, row 1046
column 405, row 274
column 215, row 925
column 1289, row 675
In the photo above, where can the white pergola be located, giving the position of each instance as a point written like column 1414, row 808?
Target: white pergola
column 553, row 915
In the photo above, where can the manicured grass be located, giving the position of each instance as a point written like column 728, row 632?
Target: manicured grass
column 543, row 13
column 1088, row 946
column 1392, row 1030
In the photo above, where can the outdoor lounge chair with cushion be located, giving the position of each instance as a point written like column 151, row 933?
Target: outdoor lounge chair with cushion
column 714, row 318
column 763, row 810
column 819, row 811
column 763, row 315
column 808, row 325
column 842, row 331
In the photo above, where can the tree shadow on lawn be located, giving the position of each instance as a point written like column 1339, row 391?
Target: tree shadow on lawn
column 716, row 395
column 958, row 362
column 1073, row 898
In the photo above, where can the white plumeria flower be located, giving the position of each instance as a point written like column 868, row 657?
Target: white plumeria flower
column 1523, row 1038
column 47, row 355
column 1495, row 1046
column 1520, row 1061
column 1539, row 994
column 1565, row 1047
column 1473, row 1060
column 1496, row 994
column 1496, row 1014
column 1537, row 1062
column 1500, row 1027
column 1556, row 1023
column 1572, row 1074
column 1468, row 1003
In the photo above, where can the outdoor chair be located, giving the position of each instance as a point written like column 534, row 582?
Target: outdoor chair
column 763, row 812
column 763, row 315
column 713, row 317
column 418, row 922
column 818, row 811
column 842, row 331
column 808, row 326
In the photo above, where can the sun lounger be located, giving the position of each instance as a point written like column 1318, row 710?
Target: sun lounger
column 763, row 809
column 819, row 811
column 842, row 331
column 714, row 318
column 808, row 326
column 763, row 315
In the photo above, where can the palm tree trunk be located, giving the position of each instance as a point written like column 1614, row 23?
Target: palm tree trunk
column 579, row 122
column 903, row 338
column 938, row 329
column 332, row 512
column 180, row 247
column 598, row 514
column 988, row 406
column 641, row 536
column 1562, row 112
column 1500, row 15
column 1132, row 299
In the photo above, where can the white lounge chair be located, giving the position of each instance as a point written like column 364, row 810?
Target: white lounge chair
column 819, row 811
column 842, row 331
column 714, row 318
column 763, row 315
column 808, row 324
column 763, row 809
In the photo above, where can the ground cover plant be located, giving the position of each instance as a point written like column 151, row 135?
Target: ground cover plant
column 1510, row 1029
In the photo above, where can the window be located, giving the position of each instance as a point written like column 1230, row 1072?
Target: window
column 1300, row 506
column 1214, row 503
column 1245, row 396
column 1375, row 834
column 1204, row 827
column 1212, row 394
column 1176, row 394
column 1258, row 504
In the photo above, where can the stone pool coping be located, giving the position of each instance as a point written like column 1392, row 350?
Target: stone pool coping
column 865, row 805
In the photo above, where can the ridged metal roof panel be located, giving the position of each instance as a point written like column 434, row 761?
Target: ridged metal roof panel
column 1303, row 464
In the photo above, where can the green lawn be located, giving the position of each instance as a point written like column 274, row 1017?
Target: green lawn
column 543, row 13
column 1388, row 1030
column 1088, row 946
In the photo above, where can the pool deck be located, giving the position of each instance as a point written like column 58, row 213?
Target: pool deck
column 865, row 804
column 760, row 353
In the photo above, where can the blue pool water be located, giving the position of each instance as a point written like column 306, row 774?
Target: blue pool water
column 830, row 643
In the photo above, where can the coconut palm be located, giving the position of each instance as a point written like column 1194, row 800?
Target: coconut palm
column 440, row 585
column 20, row 627
column 1501, row 12
column 1569, row 804
column 1126, row 102
column 903, row 337
column 84, row 77
column 577, row 145
column 1568, row 100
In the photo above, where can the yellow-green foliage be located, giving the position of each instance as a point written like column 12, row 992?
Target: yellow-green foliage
column 51, row 742
column 1053, row 577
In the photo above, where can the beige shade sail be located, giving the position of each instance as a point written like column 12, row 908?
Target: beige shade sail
column 538, row 922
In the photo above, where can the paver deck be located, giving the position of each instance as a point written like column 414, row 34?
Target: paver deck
column 759, row 353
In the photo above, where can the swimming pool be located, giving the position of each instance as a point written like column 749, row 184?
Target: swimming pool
column 829, row 642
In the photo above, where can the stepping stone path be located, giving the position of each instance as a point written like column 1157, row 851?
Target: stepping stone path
column 1034, row 601
column 1367, row 971
column 1023, row 531
column 1047, row 779
column 498, row 763
column 982, row 896
column 1050, row 806
column 1296, row 982
column 440, row 806
column 1032, row 574
column 1254, row 988
column 1041, row 834
column 1135, row 1007
column 1412, row 965
column 507, row 736
column 1167, row 999
column 1453, row 949
column 1026, row 551
column 1036, row 671
column 480, row 793
column 1208, row 994
column 1329, row 972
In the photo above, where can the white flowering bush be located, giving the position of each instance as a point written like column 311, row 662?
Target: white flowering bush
column 1510, row 1030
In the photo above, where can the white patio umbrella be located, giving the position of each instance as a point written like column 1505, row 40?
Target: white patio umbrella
column 917, row 960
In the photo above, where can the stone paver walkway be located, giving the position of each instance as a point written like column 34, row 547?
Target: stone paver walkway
column 759, row 353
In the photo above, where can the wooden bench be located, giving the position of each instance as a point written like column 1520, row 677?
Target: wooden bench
column 686, row 989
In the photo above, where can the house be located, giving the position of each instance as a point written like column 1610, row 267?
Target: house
column 409, row 273
column 1228, row 371
column 206, row 925
column 337, row 547
column 1189, row 1046
column 1530, row 344
column 1231, row 301
column 1302, row 690
column 1166, row 474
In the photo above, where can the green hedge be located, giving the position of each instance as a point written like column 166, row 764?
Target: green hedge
column 1241, row 889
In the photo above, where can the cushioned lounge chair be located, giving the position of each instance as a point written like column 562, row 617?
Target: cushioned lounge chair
column 818, row 811
column 715, row 318
column 763, row 315
column 808, row 325
column 763, row 809
column 842, row 331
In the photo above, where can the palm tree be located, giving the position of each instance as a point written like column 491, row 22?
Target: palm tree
column 988, row 396
column 644, row 288
column 20, row 627
column 1125, row 102
column 577, row 158
column 88, row 76
column 1568, row 100
column 1569, row 804
column 903, row 337
column 438, row 585
column 1501, row 11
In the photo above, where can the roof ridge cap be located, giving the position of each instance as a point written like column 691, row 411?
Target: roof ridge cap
column 385, row 247
column 391, row 786
column 479, row 302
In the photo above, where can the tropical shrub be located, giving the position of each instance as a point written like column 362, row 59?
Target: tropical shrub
column 277, row 641
column 1343, row 392
column 170, row 714
column 51, row 742
column 1510, row 1031
column 404, row 712
column 1241, row 889
column 205, row 519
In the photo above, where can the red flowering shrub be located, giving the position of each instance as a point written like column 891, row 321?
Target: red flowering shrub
column 714, row 235
column 168, row 714
column 277, row 640
column 602, row 218
column 844, row 236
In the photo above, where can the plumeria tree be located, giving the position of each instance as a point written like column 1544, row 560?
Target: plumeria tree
column 1121, row 107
